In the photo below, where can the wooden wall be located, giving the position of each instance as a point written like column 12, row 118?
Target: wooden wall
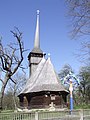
column 44, row 101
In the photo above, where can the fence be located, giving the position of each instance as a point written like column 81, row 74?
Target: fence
column 47, row 115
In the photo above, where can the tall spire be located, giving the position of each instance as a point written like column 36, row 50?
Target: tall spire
column 36, row 48
column 37, row 41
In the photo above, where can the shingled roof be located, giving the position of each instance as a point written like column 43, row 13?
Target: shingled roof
column 43, row 79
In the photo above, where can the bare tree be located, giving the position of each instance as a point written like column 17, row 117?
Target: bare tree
column 10, row 60
column 83, row 54
column 79, row 12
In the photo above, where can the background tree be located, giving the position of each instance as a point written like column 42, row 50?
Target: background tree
column 20, row 80
column 84, row 89
column 8, row 100
column 84, row 53
column 11, row 100
column 10, row 60
column 65, row 71
column 79, row 12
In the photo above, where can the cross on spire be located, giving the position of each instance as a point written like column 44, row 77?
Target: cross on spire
column 38, row 12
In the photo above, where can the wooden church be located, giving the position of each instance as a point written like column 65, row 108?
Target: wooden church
column 43, row 88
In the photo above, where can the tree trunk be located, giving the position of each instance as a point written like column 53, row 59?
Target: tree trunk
column 14, row 99
column 2, row 91
column 84, row 91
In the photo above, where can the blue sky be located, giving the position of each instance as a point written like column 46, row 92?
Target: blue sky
column 54, row 28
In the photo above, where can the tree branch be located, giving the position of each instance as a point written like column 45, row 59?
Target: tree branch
column 1, row 80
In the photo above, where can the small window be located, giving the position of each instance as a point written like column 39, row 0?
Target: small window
column 52, row 97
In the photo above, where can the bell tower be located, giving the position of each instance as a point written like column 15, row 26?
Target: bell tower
column 36, row 54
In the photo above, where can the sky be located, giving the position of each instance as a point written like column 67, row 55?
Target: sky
column 54, row 29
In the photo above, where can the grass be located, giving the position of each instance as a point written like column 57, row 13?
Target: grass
column 83, row 106
column 7, row 111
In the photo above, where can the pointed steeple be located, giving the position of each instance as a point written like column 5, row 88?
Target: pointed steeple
column 36, row 48
column 37, row 41
column 36, row 55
